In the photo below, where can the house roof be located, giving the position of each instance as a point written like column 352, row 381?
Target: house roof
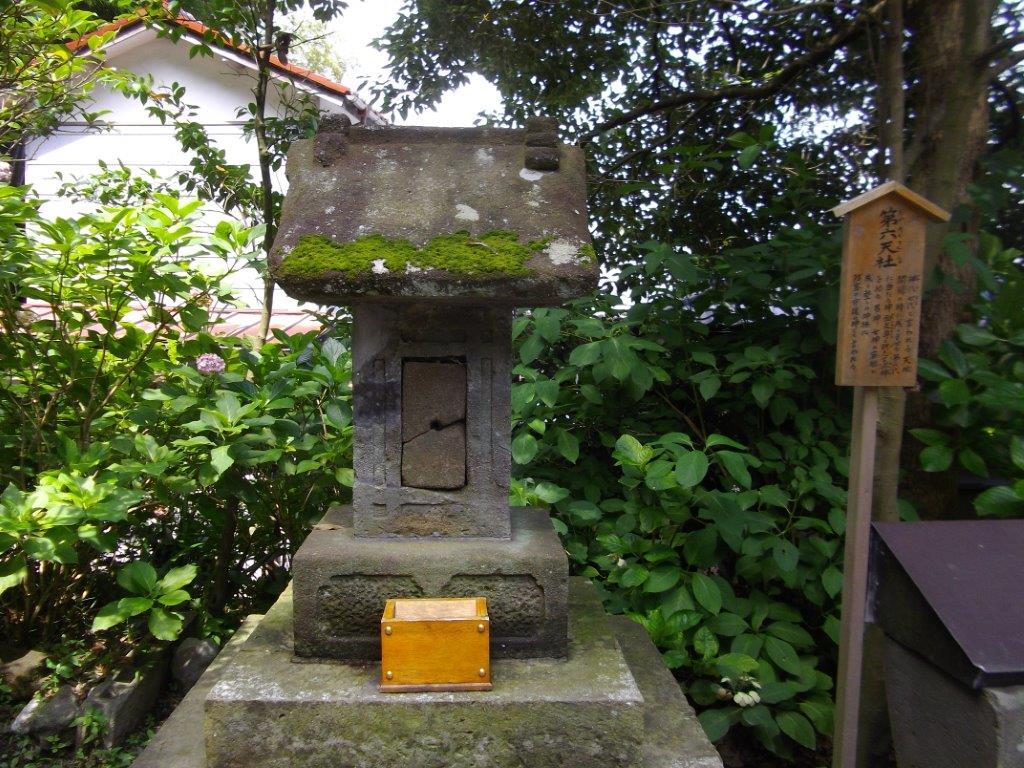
column 291, row 70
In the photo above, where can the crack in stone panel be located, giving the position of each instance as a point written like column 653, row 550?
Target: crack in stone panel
column 434, row 424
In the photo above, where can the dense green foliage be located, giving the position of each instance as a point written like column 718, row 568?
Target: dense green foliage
column 118, row 448
column 682, row 426
column 693, row 449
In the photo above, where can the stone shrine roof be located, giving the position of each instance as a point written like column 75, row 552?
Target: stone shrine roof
column 435, row 213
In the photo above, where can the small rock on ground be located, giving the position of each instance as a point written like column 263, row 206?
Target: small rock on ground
column 191, row 659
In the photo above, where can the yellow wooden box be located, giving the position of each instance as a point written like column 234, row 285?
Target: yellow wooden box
column 435, row 644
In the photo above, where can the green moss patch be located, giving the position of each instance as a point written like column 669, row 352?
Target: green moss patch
column 497, row 252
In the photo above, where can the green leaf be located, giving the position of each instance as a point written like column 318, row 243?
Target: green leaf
column 821, row 714
column 797, row 727
column 585, row 354
column 547, row 391
column 634, row 576
column 228, row 405
column 776, row 692
column 629, row 450
column 662, row 578
column 176, row 578
column 706, row 592
column 1000, row 501
column 175, row 597
column 12, row 573
column 954, row 392
column 138, row 577
column 736, row 466
column 133, row 606
column 1017, row 451
column 164, row 625
column 936, row 458
column 748, row 155
column 691, row 468
column 783, row 655
column 109, row 615
column 568, row 445
column 972, row 462
column 709, row 387
column 727, row 625
column 930, row 437
column 550, row 493
column 50, row 548
column 932, row 371
column 531, row 349
column 585, row 512
column 786, row 555
column 715, row 723
column 524, row 448
column 716, row 439
column 705, row 642
column 791, row 633
column 832, row 580
column 762, row 390
column 220, row 459
column 975, row 336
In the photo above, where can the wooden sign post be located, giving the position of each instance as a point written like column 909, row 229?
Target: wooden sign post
column 879, row 315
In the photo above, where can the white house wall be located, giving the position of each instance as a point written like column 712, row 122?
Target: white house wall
column 217, row 86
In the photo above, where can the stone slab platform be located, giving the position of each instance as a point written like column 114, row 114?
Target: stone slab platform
column 623, row 708
column 341, row 582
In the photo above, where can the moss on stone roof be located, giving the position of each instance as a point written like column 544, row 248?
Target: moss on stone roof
column 494, row 253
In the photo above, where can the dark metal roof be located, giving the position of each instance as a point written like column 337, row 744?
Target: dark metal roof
column 952, row 591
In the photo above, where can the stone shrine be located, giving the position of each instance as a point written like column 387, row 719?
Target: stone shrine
column 432, row 237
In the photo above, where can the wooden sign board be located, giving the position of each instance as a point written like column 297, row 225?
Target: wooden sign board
column 881, row 286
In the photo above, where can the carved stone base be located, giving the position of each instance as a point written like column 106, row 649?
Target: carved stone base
column 610, row 704
column 342, row 581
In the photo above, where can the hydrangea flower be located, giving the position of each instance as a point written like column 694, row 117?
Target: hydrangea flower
column 210, row 363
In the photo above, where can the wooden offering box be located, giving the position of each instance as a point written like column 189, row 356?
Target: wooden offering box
column 435, row 644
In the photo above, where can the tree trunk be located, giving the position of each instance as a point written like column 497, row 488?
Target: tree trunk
column 266, row 177
column 949, row 133
column 219, row 591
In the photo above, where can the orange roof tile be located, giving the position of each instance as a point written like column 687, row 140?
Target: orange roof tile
column 201, row 29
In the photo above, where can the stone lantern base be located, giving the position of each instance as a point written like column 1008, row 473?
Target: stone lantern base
column 340, row 582
column 610, row 703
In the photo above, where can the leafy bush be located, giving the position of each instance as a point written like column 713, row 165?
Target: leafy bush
column 693, row 452
column 120, row 454
column 976, row 388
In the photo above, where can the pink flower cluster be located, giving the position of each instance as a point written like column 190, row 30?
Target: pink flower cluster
column 210, row 363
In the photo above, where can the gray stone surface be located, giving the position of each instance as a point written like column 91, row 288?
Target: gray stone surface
column 44, row 717
column 178, row 743
column 938, row 722
column 436, row 459
column 386, row 341
column 416, row 183
column 125, row 701
column 433, row 395
column 672, row 738
column 341, row 582
column 22, row 675
column 191, row 658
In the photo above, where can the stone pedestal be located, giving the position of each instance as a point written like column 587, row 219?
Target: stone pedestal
column 609, row 704
column 342, row 580
column 938, row 722
column 431, row 388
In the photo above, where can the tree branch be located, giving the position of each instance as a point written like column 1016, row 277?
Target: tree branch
column 771, row 86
